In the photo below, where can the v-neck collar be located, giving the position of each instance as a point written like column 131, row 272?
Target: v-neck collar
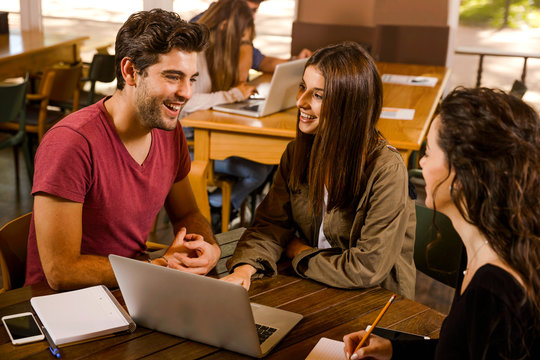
column 120, row 144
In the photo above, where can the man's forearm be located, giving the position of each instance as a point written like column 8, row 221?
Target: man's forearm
column 86, row 270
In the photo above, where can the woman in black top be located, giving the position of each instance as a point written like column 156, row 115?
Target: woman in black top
column 482, row 169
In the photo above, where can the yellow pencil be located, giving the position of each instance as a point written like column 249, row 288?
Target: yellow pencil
column 366, row 335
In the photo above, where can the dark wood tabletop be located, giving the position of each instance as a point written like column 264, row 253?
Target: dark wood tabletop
column 327, row 311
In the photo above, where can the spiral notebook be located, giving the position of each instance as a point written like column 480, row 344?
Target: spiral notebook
column 81, row 315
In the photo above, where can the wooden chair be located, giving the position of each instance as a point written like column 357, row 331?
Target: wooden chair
column 13, row 244
column 225, row 183
column 59, row 86
column 12, row 109
column 437, row 246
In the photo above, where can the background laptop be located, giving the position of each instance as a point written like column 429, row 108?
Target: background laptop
column 280, row 95
column 199, row 308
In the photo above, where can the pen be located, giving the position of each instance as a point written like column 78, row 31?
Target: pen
column 366, row 335
column 52, row 346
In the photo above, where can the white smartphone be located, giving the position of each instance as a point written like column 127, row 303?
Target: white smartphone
column 22, row 328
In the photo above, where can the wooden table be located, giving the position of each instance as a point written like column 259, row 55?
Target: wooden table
column 32, row 51
column 327, row 312
column 219, row 135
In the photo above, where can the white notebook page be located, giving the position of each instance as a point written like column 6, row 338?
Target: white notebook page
column 79, row 314
column 327, row 349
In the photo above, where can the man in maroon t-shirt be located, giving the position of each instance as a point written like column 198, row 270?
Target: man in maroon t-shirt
column 104, row 172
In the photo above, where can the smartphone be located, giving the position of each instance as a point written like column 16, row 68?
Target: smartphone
column 397, row 335
column 22, row 328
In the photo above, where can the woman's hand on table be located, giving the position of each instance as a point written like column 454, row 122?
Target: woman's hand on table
column 241, row 275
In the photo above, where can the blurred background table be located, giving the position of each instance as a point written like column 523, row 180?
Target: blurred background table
column 34, row 51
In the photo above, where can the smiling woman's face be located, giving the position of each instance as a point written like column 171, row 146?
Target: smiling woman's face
column 309, row 100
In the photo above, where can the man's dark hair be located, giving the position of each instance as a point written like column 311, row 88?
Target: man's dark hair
column 147, row 34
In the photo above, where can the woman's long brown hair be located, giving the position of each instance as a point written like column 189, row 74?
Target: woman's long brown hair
column 492, row 143
column 227, row 21
column 340, row 153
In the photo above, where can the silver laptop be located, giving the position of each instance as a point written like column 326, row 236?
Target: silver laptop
column 280, row 95
column 199, row 308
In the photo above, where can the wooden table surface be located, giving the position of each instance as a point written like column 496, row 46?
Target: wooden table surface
column 33, row 51
column 220, row 135
column 328, row 312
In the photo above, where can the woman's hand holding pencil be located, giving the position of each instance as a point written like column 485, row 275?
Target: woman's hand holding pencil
column 361, row 344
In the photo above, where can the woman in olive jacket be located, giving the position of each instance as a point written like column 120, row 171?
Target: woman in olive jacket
column 339, row 206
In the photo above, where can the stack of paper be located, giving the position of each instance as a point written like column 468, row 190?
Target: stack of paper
column 81, row 314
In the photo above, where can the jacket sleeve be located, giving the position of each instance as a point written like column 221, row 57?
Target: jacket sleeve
column 262, row 244
column 376, row 238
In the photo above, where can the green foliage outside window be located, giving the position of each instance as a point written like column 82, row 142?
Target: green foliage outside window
column 492, row 13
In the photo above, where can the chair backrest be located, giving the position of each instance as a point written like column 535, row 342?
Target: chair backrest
column 518, row 89
column 102, row 68
column 66, row 85
column 13, row 245
column 12, row 101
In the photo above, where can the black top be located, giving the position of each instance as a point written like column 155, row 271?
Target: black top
column 488, row 321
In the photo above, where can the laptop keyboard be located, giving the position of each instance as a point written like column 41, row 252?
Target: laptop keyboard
column 264, row 332
column 251, row 107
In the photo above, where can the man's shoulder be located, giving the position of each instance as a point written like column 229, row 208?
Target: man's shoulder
column 85, row 121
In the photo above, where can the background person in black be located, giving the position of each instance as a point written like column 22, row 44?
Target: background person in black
column 482, row 170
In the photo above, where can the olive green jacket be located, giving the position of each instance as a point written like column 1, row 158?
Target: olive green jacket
column 372, row 245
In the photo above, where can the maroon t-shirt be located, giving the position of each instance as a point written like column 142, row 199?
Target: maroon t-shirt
column 82, row 159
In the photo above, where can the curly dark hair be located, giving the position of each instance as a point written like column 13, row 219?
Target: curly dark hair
column 147, row 34
column 492, row 142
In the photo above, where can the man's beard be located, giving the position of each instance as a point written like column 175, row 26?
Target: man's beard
column 150, row 110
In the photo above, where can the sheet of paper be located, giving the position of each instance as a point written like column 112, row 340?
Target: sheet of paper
column 410, row 80
column 327, row 349
column 397, row 113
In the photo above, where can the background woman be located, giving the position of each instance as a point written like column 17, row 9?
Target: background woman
column 223, row 72
column 339, row 206
column 481, row 169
